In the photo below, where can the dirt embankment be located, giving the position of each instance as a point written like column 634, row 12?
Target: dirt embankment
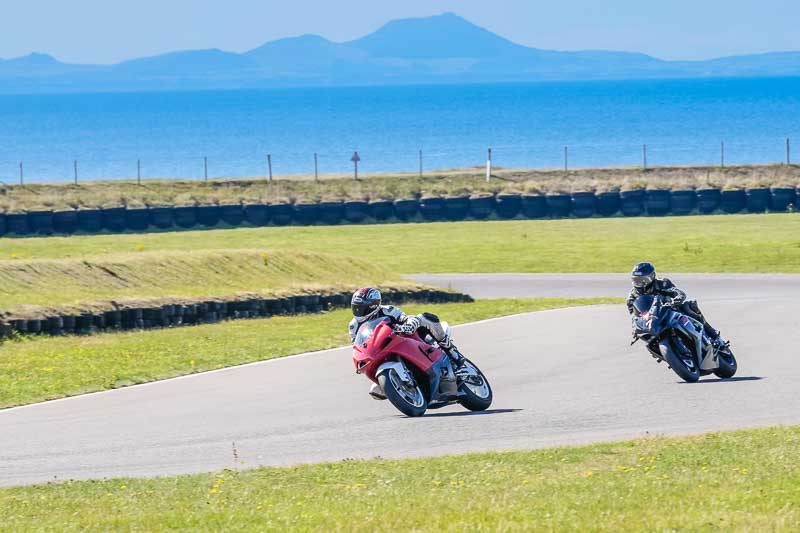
column 303, row 189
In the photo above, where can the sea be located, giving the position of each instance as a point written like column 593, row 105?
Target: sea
column 231, row 133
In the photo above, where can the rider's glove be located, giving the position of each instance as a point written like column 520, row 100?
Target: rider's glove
column 410, row 326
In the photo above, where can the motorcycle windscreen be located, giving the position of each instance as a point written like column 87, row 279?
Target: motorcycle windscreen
column 367, row 329
column 643, row 303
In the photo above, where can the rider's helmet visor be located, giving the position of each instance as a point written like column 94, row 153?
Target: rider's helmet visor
column 642, row 282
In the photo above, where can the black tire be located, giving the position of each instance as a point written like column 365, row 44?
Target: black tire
column 472, row 401
column 689, row 375
column 398, row 400
column 727, row 364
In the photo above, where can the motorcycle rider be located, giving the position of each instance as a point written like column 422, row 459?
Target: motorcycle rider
column 366, row 305
column 644, row 280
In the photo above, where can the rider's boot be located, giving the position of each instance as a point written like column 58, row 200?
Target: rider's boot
column 376, row 392
column 450, row 349
column 714, row 335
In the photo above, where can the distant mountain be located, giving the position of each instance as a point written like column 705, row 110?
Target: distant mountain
column 440, row 49
column 36, row 65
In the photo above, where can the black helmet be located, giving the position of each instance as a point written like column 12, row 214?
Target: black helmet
column 643, row 275
column 365, row 303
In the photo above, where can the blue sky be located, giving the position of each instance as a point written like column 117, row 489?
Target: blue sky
column 106, row 31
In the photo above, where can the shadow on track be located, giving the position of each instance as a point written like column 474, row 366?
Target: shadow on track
column 728, row 380
column 472, row 413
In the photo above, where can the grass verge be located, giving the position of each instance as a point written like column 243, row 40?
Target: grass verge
column 43, row 368
column 174, row 274
column 738, row 481
column 732, row 243
column 33, row 197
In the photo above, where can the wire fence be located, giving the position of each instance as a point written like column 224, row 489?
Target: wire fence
column 376, row 161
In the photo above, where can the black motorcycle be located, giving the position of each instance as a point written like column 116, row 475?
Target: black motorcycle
column 680, row 340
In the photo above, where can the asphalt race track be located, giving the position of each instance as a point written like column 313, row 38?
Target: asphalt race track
column 560, row 377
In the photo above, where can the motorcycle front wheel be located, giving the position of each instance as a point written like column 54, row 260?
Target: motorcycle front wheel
column 476, row 393
column 727, row 364
column 408, row 399
column 686, row 368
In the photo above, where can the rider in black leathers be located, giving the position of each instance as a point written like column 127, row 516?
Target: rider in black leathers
column 645, row 281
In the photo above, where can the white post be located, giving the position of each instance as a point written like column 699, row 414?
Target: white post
column 489, row 165
column 269, row 166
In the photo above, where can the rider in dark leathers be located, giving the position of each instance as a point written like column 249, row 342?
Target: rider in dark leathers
column 645, row 281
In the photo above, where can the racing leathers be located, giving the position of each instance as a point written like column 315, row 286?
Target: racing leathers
column 427, row 323
column 673, row 297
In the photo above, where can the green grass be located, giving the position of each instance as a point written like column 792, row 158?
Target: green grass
column 733, row 243
column 41, row 368
column 155, row 275
column 449, row 182
column 739, row 481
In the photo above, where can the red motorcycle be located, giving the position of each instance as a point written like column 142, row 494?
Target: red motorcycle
column 416, row 375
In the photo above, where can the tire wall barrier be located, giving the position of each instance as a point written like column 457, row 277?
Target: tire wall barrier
column 708, row 200
column 758, row 200
column 508, row 205
column 161, row 217
column 481, row 207
column 584, row 204
column 406, row 209
column 356, row 211
column 683, row 202
column 534, row 206
column 185, row 216
column 631, row 203
column 232, row 214
column 281, row 214
column 781, row 199
column 65, row 222
column 733, row 201
column 659, row 203
column 331, row 213
column 559, row 205
column 608, row 203
column 456, row 208
column 112, row 219
column 432, row 209
column 381, row 210
column 205, row 312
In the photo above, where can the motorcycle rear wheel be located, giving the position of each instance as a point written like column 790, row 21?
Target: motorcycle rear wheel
column 689, row 374
column 410, row 402
column 475, row 397
column 727, row 364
